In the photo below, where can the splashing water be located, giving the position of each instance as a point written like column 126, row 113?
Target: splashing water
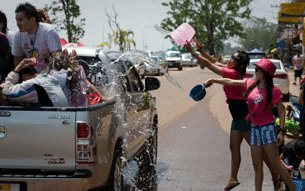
column 163, row 31
column 140, row 56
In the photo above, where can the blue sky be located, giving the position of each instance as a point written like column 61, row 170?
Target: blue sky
column 136, row 15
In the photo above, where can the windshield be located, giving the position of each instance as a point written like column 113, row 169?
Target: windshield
column 256, row 55
column 154, row 58
column 276, row 63
column 186, row 56
column 172, row 54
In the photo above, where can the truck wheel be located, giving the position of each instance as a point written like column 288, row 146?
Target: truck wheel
column 116, row 178
column 147, row 162
column 179, row 67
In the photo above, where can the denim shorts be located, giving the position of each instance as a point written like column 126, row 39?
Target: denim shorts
column 241, row 125
column 263, row 135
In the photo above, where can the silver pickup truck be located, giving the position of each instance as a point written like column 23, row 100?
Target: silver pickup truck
column 84, row 148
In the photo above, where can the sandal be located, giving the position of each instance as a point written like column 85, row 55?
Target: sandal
column 230, row 187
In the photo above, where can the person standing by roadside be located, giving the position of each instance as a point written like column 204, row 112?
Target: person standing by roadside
column 240, row 128
column 262, row 95
column 298, row 64
column 34, row 39
column 3, row 27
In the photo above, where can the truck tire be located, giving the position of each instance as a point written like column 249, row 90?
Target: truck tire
column 179, row 67
column 116, row 178
column 147, row 162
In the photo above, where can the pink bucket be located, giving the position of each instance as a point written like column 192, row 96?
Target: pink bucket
column 184, row 32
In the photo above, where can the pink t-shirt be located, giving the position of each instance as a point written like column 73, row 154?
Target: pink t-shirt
column 232, row 92
column 257, row 103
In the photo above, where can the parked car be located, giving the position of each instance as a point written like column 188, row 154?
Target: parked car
column 82, row 148
column 174, row 59
column 280, row 79
column 138, row 58
column 159, row 59
column 188, row 60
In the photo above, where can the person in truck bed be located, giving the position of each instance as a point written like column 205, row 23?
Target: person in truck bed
column 35, row 89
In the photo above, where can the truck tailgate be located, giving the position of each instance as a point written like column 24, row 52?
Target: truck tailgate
column 37, row 140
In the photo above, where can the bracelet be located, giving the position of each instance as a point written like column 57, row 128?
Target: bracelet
column 282, row 130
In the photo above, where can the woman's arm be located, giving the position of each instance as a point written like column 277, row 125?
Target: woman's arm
column 224, row 81
column 202, row 60
column 301, row 97
column 281, row 111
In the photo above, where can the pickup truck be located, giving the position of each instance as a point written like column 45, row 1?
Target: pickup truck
column 83, row 148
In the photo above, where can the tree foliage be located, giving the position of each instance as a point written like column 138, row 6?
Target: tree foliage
column 65, row 13
column 259, row 34
column 213, row 20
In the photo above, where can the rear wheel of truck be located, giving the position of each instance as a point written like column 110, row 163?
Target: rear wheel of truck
column 116, row 179
column 180, row 67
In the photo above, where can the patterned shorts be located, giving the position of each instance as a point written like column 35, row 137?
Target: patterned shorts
column 263, row 135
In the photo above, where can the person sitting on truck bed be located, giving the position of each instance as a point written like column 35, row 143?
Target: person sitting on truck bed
column 72, row 79
column 37, row 90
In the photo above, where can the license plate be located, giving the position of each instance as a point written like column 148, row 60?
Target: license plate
column 9, row 187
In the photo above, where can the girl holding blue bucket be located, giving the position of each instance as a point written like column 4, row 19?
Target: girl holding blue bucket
column 262, row 95
column 240, row 128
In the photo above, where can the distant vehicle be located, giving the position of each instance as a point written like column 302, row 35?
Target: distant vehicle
column 256, row 55
column 159, row 59
column 188, row 60
column 226, row 58
column 174, row 59
column 280, row 80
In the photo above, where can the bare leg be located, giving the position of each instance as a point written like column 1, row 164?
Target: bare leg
column 257, row 160
column 236, row 139
column 275, row 175
column 272, row 153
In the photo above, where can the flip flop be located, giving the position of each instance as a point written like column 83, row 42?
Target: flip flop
column 231, row 187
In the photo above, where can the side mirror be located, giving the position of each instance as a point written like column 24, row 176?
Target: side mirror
column 151, row 83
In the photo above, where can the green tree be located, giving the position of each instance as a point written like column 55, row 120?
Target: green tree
column 259, row 34
column 65, row 13
column 213, row 20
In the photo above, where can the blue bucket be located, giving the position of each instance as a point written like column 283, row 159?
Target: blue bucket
column 198, row 92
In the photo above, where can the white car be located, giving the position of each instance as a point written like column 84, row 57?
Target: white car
column 174, row 59
column 280, row 79
column 188, row 60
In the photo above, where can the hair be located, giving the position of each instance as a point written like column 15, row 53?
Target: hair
column 269, row 86
column 243, row 62
column 3, row 20
column 41, row 15
column 299, row 147
column 3, row 40
column 58, row 61
column 28, row 9
column 28, row 70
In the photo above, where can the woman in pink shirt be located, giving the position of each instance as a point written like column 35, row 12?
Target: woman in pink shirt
column 240, row 128
column 262, row 95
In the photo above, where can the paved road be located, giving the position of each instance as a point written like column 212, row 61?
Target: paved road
column 193, row 147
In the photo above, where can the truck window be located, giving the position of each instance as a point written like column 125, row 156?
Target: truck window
column 135, row 82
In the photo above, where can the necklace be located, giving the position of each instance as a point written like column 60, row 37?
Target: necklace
column 33, row 39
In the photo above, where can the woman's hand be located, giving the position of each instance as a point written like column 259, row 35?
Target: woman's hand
column 188, row 47
column 197, row 45
column 289, row 168
column 208, row 83
column 25, row 63
column 280, row 138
